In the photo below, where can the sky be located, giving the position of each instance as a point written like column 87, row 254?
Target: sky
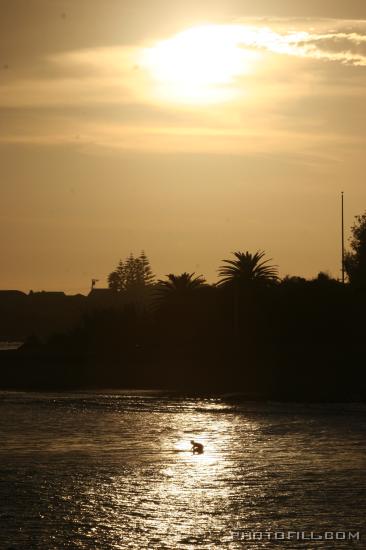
column 187, row 129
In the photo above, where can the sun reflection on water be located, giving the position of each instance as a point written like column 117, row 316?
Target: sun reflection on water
column 118, row 472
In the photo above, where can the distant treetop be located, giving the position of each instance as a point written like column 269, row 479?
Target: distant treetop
column 132, row 273
column 355, row 260
column 247, row 269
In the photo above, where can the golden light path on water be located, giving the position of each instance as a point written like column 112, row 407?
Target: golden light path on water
column 115, row 471
column 191, row 488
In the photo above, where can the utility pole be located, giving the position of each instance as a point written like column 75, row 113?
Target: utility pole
column 342, row 215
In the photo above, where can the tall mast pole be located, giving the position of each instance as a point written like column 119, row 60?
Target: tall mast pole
column 342, row 208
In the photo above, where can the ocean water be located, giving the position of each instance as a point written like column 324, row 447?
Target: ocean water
column 9, row 345
column 113, row 470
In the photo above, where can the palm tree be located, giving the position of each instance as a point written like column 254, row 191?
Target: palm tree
column 248, row 269
column 180, row 285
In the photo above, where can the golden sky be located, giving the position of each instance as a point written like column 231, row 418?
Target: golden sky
column 189, row 129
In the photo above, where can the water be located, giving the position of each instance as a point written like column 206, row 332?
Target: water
column 113, row 471
column 4, row 346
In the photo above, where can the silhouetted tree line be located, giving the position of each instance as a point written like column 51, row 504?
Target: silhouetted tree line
column 252, row 332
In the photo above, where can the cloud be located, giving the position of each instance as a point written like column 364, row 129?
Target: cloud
column 348, row 48
column 105, row 98
column 336, row 45
column 266, row 134
column 115, row 75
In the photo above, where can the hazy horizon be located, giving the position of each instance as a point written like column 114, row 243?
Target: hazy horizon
column 188, row 130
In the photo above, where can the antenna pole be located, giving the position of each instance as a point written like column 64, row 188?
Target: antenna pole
column 93, row 281
column 342, row 215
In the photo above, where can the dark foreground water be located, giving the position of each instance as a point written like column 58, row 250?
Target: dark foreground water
column 113, row 470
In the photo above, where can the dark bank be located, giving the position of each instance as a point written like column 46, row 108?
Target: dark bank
column 251, row 332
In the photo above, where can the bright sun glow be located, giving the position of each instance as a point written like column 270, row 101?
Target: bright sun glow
column 199, row 65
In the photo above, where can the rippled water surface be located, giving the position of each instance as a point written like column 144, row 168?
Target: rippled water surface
column 113, row 471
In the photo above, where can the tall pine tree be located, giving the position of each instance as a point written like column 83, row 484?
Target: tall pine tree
column 134, row 273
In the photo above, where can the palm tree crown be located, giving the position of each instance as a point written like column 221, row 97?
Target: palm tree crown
column 248, row 268
column 180, row 284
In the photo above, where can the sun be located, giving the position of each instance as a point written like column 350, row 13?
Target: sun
column 199, row 65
